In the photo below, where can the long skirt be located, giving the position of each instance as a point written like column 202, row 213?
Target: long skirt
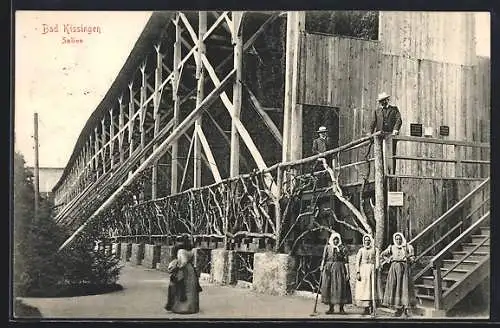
column 398, row 289
column 363, row 291
column 187, row 300
column 335, row 288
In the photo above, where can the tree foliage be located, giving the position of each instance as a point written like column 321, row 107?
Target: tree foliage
column 39, row 269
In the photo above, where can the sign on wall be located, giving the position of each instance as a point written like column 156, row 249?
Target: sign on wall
column 395, row 198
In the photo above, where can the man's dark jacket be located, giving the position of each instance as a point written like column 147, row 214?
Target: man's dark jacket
column 386, row 120
column 321, row 145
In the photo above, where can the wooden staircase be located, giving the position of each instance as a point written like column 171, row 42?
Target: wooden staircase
column 458, row 266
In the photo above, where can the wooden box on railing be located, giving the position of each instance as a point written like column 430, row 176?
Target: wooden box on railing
column 212, row 244
column 204, row 244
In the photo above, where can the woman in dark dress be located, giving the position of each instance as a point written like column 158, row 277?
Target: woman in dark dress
column 184, row 287
column 335, row 286
column 399, row 293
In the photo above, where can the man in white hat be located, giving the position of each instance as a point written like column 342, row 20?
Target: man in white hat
column 322, row 143
column 387, row 118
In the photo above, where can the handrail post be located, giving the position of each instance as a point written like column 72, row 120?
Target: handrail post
column 379, row 210
column 438, row 287
column 277, row 208
column 458, row 161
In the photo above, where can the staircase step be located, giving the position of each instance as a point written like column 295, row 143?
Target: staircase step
column 476, row 256
column 456, row 270
column 425, row 300
column 485, row 231
column 447, row 281
column 476, row 239
column 470, row 246
column 465, row 265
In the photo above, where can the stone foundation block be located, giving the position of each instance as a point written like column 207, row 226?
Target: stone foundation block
column 137, row 254
column 223, row 267
column 151, row 256
column 201, row 259
column 273, row 273
column 126, row 251
column 166, row 255
column 116, row 249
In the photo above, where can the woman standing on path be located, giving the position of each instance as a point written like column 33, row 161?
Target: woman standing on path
column 399, row 293
column 184, row 287
column 367, row 262
column 335, row 287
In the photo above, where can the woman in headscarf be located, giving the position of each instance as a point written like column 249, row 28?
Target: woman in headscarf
column 335, row 287
column 399, row 293
column 367, row 261
column 184, row 287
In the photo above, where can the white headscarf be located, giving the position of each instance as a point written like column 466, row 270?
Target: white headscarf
column 332, row 237
column 371, row 241
column 184, row 256
column 403, row 240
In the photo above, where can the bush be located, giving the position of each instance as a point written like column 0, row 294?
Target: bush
column 39, row 269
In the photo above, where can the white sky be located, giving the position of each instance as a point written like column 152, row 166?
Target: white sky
column 64, row 83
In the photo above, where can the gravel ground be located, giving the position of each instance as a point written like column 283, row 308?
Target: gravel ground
column 144, row 296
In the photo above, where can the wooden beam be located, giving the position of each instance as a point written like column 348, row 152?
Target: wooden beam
column 220, row 18
column 174, row 179
column 200, row 76
column 265, row 117
column 189, row 28
column 156, row 116
column 120, row 129
column 240, row 127
column 210, row 157
column 216, row 24
column 296, row 126
column 234, row 164
column 379, row 210
column 111, row 137
column 176, row 133
column 226, row 139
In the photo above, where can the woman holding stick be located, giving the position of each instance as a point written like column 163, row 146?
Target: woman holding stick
column 335, row 287
column 367, row 262
column 399, row 293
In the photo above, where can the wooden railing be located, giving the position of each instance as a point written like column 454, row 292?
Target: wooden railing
column 458, row 159
column 437, row 261
column 448, row 226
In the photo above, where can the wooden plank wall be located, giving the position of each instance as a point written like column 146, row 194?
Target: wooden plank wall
column 348, row 73
column 439, row 36
column 425, row 200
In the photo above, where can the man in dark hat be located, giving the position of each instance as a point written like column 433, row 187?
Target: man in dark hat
column 387, row 118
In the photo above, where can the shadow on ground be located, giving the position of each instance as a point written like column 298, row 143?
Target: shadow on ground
column 76, row 290
column 22, row 310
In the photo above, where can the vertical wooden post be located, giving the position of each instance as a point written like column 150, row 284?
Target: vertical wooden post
column 131, row 113
column 379, row 210
column 438, row 287
column 103, row 143
column 96, row 149
column 36, row 168
column 156, row 116
column 277, row 207
column 143, row 108
column 292, row 119
column 458, row 161
column 237, row 41
column 287, row 106
column 120, row 126
column 176, row 99
column 296, row 121
column 200, row 94
column 111, row 136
